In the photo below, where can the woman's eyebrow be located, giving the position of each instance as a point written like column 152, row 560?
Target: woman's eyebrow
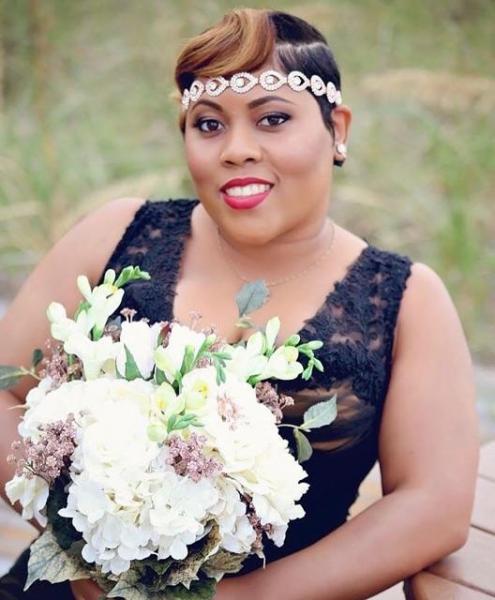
column 252, row 104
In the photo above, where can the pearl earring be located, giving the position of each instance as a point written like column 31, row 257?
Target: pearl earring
column 342, row 149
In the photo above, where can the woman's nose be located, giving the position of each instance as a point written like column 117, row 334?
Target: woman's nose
column 240, row 145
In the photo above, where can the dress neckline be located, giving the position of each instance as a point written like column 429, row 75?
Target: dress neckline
column 305, row 332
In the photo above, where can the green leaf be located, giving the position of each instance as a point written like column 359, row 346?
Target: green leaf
column 185, row 572
column 84, row 305
column 304, row 449
column 178, row 379
column 159, row 376
column 223, row 562
column 221, row 377
column 199, row 590
column 157, row 566
column 223, row 356
column 9, row 376
column 48, row 561
column 131, row 368
column 251, row 296
column 203, row 349
column 131, row 590
column 37, row 357
column 171, row 423
column 188, row 360
column 130, row 273
column 184, row 421
column 320, row 414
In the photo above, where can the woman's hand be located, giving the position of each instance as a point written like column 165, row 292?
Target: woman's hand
column 85, row 589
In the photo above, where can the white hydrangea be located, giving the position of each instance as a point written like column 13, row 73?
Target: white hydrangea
column 125, row 498
column 32, row 494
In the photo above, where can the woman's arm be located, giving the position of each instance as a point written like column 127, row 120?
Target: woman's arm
column 428, row 452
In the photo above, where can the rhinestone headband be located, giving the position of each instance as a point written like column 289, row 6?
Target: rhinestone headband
column 269, row 80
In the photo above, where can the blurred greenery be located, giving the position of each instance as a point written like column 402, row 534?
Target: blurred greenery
column 86, row 116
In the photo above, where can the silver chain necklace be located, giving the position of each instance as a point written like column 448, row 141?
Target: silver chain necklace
column 284, row 279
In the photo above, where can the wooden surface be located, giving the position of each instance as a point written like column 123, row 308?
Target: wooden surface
column 426, row 586
column 468, row 573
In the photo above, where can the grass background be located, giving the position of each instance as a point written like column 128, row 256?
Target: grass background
column 86, row 116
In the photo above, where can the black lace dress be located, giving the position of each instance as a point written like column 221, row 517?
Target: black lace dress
column 356, row 323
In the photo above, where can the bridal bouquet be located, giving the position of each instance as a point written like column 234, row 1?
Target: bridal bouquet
column 151, row 452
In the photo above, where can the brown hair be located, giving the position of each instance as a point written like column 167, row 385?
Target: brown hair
column 245, row 39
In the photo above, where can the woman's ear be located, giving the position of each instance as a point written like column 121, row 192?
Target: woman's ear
column 341, row 118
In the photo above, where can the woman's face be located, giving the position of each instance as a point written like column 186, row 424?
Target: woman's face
column 278, row 136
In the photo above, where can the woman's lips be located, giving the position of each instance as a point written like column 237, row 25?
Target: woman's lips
column 245, row 202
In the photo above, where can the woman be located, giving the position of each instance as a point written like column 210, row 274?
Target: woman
column 259, row 149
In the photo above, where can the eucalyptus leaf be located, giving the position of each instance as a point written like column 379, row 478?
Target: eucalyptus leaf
column 222, row 562
column 37, row 357
column 131, row 368
column 320, row 414
column 251, row 296
column 48, row 561
column 199, row 590
column 185, row 572
column 130, row 590
column 9, row 376
column 304, row 449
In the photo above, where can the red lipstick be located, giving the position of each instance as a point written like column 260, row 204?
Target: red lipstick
column 244, row 202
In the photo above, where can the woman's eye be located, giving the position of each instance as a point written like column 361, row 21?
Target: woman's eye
column 273, row 117
column 200, row 122
column 273, row 121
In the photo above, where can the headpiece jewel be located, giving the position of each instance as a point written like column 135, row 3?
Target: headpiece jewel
column 269, row 80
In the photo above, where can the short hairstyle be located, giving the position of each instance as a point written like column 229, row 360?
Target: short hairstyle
column 245, row 39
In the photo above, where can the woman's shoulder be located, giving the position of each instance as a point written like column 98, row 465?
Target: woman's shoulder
column 426, row 302
column 119, row 220
column 105, row 226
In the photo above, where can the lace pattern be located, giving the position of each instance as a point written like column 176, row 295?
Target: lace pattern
column 356, row 323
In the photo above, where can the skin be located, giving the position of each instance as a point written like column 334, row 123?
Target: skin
column 428, row 439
